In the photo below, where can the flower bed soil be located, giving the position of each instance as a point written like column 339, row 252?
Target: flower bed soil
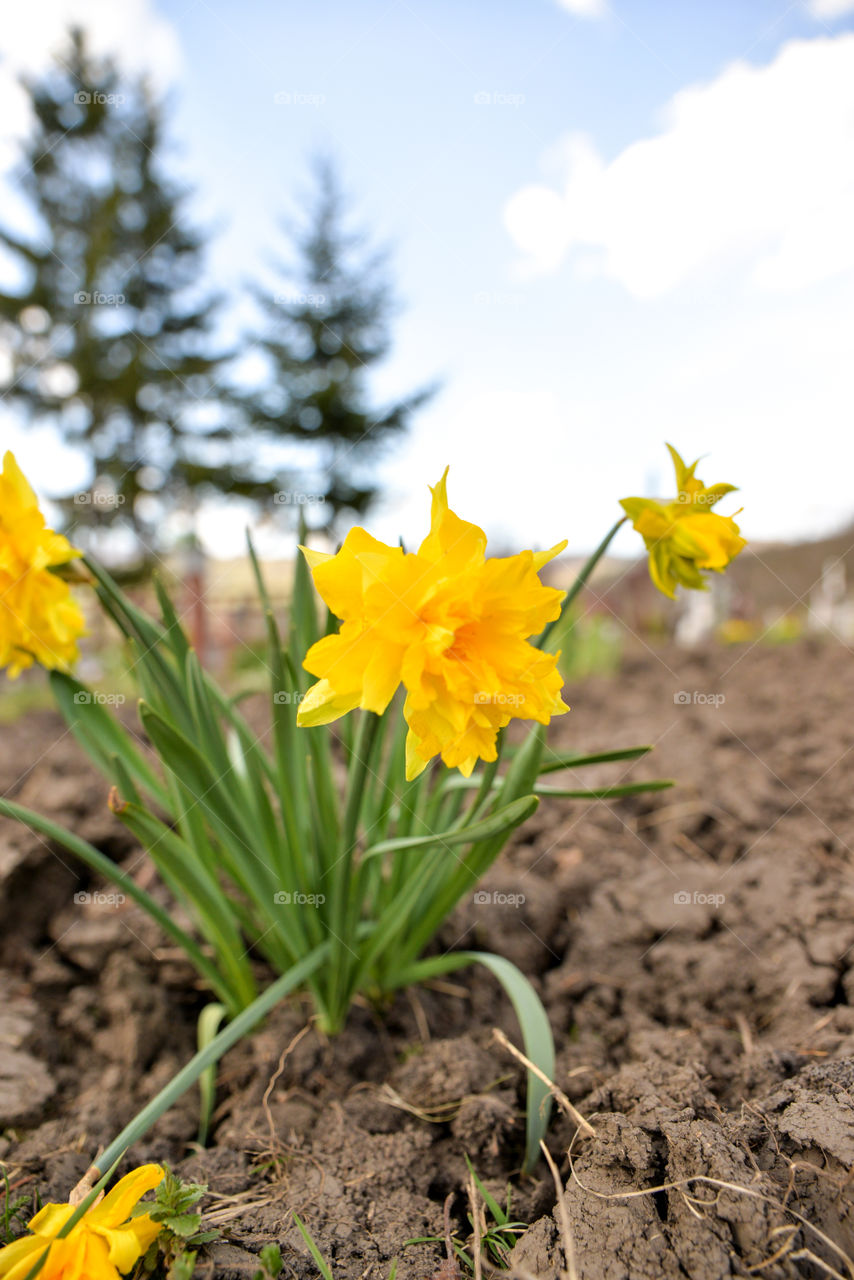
column 693, row 948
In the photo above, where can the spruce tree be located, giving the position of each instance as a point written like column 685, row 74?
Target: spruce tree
column 326, row 327
column 110, row 326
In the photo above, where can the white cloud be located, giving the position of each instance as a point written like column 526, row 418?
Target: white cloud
column 596, row 8
column 830, row 9
column 761, row 388
column 754, row 169
column 131, row 31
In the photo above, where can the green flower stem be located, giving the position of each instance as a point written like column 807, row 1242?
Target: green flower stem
column 428, row 781
column 379, row 799
column 402, row 863
column 318, row 766
column 446, row 812
column 369, row 725
column 431, row 811
column 368, row 877
column 440, row 899
column 213, row 1051
column 407, row 801
column 387, row 773
column 343, row 915
column 379, row 946
column 580, row 582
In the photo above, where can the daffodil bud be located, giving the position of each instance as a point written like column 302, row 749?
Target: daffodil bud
column 685, row 536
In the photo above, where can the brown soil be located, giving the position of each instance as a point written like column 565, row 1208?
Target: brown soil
column 710, row 1038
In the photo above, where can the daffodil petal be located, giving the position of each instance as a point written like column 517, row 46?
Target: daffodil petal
column 541, row 558
column 17, row 1258
column 20, row 487
column 343, row 578
column 450, row 537
column 126, row 1244
column 659, row 571
column 104, row 1242
column 50, row 1219
column 322, row 704
column 315, row 558
column 116, row 1206
column 382, row 678
column 415, row 762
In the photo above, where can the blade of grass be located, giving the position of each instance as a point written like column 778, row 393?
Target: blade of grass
column 322, row 1265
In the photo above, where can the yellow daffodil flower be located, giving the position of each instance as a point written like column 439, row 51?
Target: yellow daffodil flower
column 685, row 536
column 105, row 1242
column 446, row 622
column 39, row 619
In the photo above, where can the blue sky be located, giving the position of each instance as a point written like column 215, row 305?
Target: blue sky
column 614, row 222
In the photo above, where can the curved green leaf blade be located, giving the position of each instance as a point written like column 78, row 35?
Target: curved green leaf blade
column 608, row 793
column 222, row 1041
column 598, row 757
column 100, row 735
column 533, row 1021
column 503, row 820
column 99, row 862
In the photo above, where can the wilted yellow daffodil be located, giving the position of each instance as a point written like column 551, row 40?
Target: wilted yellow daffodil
column 449, row 624
column 105, row 1242
column 39, row 619
column 685, row 536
